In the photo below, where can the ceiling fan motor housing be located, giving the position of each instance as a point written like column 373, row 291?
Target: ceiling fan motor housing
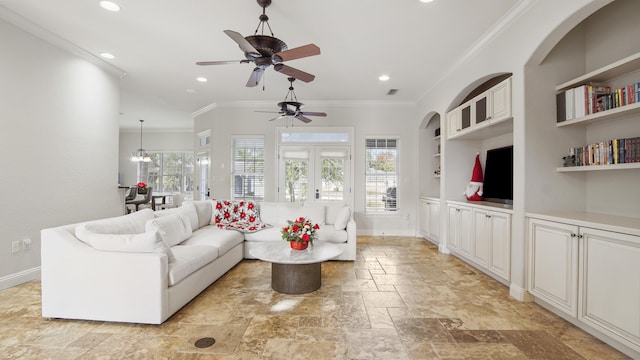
column 266, row 46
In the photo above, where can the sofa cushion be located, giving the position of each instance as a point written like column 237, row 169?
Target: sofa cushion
column 147, row 242
column 189, row 258
column 342, row 218
column 210, row 235
column 204, row 210
column 133, row 223
column 270, row 234
column 330, row 234
column 313, row 212
column 331, row 210
column 173, row 229
column 189, row 209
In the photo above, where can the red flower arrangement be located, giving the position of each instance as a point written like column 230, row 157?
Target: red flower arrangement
column 300, row 230
column 142, row 185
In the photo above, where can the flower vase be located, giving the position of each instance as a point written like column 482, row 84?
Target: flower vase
column 299, row 245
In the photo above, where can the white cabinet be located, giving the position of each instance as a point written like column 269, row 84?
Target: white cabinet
column 492, row 241
column 590, row 274
column 489, row 108
column 460, row 226
column 553, row 264
column 430, row 218
column 610, row 283
column 481, row 236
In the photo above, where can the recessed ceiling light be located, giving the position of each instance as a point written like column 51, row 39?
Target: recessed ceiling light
column 383, row 77
column 202, row 79
column 111, row 6
column 426, row 1
column 107, row 55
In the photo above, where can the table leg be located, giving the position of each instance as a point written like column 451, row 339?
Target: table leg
column 296, row 278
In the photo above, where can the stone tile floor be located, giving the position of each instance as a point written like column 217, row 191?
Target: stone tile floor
column 401, row 299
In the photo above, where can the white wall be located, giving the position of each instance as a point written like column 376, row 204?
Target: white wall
column 368, row 119
column 59, row 145
column 152, row 140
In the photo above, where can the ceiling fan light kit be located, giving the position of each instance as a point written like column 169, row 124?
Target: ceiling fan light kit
column 290, row 107
column 266, row 50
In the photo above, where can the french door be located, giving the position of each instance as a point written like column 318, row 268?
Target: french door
column 202, row 161
column 313, row 173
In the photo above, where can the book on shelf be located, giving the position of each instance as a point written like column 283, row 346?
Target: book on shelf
column 590, row 98
column 615, row 151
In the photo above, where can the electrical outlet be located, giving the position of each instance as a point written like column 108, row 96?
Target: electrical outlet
column 26, row 244
column 15, row 247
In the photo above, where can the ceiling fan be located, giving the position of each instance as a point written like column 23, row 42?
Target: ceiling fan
column 291, row 107
column 264, row 50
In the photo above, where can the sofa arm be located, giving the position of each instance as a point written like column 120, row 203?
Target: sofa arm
column 80, row 282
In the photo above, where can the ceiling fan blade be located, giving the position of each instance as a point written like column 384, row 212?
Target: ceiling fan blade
column 268, row 112
column 243, row 43
column 222, row 62
column 278, row 117
column 303, row 119
column 311, row 113
column 255, row 77
column 296, row 53
column 298, row 74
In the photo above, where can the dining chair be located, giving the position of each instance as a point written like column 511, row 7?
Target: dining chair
column 142, row 202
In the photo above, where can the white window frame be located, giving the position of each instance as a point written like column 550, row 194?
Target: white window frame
column 384, row 210
column 234, row 173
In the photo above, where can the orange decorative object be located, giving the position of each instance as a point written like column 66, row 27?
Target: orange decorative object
column 299, row 245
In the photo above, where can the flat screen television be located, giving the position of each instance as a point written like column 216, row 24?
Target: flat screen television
column 498, row 175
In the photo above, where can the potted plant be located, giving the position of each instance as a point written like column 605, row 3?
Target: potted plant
column 300, row 233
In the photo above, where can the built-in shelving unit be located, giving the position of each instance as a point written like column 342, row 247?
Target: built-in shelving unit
column 599, row 167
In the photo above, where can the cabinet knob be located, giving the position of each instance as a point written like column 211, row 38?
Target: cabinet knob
column 573, row 235
column 580, row 236
column 488, row 216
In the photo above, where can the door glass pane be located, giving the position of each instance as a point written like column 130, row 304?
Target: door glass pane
column 296, row 180
column 203, row 169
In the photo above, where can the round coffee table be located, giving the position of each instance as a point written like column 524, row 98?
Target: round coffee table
column 295, row 271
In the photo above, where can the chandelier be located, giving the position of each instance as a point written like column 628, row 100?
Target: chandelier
column 140, row 155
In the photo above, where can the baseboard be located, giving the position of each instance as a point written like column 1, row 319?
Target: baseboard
column 19, row 278
column 519, row 293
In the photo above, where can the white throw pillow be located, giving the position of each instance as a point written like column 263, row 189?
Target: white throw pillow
column 147, row 242
column 204, row 209
column 173, row 229
column 343, row 217
column 270, row 213
column 188, row 209
column 313, row 212
column 133, row 223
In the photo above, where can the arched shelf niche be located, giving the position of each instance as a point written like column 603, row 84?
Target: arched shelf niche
column 460, row 147
column 429, row 148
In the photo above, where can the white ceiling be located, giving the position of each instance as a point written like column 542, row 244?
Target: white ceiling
column 156, row 43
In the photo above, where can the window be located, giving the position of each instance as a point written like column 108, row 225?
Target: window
column 171, row 173
column 381, row 178
column 248, row 169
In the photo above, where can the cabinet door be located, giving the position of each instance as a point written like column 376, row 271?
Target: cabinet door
column 553, row 264
column 424, row 221
column 466, row 120
column 453, row 122
column 434, row 220
column 454, row 228
column 610, row 283
column 500, row 244
column 465, row 225
column 481, row 230
column 481, row 105
column 500, row 101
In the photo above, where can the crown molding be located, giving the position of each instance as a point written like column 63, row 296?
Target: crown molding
column 332, row 103
column 42, row 33
column 204, row 110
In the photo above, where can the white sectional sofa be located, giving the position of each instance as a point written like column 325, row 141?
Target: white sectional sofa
column 145, row 266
